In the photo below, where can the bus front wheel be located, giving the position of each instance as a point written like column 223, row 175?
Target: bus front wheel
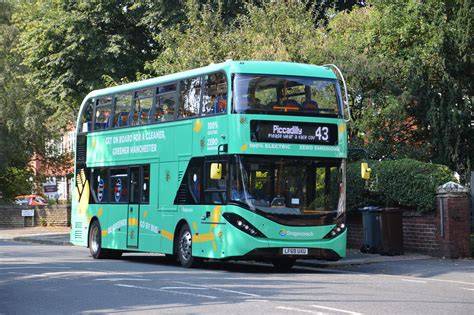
column 185, row 248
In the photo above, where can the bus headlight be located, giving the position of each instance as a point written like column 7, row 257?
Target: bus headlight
column 242, row 224
column 337, row 230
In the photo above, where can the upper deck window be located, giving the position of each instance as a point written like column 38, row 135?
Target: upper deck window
column 215, row 94
column 190, row 97
column 85, row 123
column 103, row 112
column 143, row 104
column 123, row 105
column 288, row 95
column 165, row 101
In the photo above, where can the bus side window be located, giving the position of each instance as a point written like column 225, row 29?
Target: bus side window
column 163, row 109
column 190, row 99
column 214, row 99
column 216, row 189
column 190, row 188
column 146, row 184
column 194, row 184
column 103, row 113
column 86, row 116
column 143, row 103
column 100, row 185
column 123, row 106
column 118, row 185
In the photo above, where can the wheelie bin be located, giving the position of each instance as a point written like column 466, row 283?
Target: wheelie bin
column 391, row 223
column 371, row 226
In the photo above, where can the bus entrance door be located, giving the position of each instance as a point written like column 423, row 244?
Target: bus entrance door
column 134, row 208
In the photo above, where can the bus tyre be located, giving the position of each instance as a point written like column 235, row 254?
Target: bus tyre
column 283, row 264
column 95, row 242
column 184, row 248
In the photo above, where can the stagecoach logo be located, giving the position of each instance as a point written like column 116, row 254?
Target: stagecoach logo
column 118, row 189
column 285, row 232
column 100, row 190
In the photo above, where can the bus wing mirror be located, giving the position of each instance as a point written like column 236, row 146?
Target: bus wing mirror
column 216, row 171
column 365, row 171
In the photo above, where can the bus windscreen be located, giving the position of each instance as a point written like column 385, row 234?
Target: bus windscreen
column 288, row 95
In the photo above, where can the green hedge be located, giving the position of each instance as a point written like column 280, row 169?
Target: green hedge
column 405, row 183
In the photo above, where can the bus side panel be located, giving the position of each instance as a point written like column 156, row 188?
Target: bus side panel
column 150, row 224
column 208, row 134
column 80, row 204
column 112, row 219
column 207, row 226
column 150, row 220
column 168, row 185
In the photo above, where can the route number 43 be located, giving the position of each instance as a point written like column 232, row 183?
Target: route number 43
column 322, row 133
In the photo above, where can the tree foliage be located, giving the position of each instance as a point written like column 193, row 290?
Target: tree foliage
column 22, row 117
column 408, row 66
column 268, row 31
column 408, row 63
column 73, row 47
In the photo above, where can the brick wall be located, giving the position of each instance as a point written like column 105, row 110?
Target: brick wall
column 428, row 234
column 454, row 240
column 420, row 233
column 355, row 233
column 52, row 215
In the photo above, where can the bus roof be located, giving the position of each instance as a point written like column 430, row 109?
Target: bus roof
column 231, row 66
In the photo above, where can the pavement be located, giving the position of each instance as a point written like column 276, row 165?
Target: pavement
column 60, row 236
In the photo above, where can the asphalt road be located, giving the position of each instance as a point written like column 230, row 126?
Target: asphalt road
column 45, row 279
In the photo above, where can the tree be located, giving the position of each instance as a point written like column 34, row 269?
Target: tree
column 73, row 47
column 381, row 120
column 22, row 118
column 268, row 31
column 431, row 41
column 407, row 65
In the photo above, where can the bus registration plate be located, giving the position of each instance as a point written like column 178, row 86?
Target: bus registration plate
column 295, row 251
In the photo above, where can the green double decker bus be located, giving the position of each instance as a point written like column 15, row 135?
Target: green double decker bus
column 242, row 160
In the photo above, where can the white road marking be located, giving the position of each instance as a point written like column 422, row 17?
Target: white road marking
column 385, row 275
column 181, row 288
column 427, row 279
column 411, row 280
column 33, row 267
column 60, row 274
column 219, row 289
column 167, row 291
column 256, row 300
column 297, row 310
column 121, row 279
column 336, row 309
column 468, row 289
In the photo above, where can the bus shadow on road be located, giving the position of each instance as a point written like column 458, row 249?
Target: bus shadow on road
column 215, row 265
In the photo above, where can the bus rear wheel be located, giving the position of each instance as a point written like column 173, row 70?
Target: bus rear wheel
column 185, row 248
column 95, row 244
column 283, row 264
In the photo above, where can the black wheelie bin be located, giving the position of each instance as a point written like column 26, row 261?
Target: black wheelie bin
column 371, row 226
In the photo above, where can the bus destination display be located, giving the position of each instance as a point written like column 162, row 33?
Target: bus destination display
column 293, row 132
